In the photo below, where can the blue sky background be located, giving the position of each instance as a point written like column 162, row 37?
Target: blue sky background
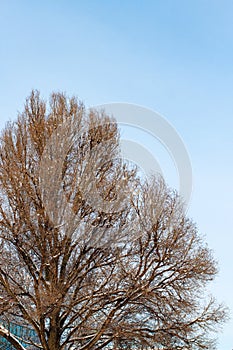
column 172, row 56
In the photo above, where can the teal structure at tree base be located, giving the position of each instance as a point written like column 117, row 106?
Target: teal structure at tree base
column 23, row 333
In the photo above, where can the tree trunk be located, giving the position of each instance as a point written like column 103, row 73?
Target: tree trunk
column 54, row 336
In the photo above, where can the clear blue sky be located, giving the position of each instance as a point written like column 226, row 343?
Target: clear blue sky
column 173, row 56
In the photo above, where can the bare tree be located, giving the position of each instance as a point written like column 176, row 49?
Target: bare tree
column 92, row 256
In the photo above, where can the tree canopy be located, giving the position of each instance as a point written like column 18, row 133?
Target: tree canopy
column 92, row 255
